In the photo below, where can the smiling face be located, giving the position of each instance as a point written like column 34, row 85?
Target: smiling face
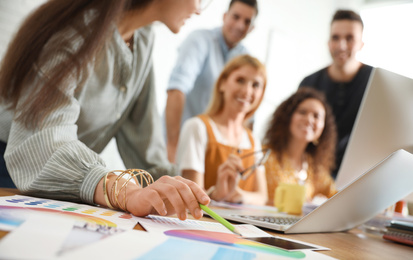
column 238, row 22
column 307, row 121
column 345, row 41
column 243, row 89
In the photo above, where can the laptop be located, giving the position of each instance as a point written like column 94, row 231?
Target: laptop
column 370, row 194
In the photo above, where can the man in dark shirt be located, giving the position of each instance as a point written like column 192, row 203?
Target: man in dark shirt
column 345, row 80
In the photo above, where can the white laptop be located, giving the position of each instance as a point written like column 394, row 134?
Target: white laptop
column 383, row 125
column 365, row 197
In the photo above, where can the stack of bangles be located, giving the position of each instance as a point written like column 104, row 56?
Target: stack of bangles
column 145, row 179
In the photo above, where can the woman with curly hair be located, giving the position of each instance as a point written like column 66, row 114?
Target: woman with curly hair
column 302, row 138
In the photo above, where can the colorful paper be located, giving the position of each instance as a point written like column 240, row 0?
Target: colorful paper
column 15, row 209
column 232, row 240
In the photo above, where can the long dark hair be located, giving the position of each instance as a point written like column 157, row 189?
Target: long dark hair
column 26, row 53
column 278, row 134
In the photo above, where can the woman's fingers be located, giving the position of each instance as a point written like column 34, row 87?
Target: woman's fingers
column 228, row 177
column 230, row 169
column 185, row 194
column 145, row 201
column 236, row 162
column 171, row 195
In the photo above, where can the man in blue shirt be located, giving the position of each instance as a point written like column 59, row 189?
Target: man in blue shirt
column 201, row 58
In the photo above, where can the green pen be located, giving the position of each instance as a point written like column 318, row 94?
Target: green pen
column 219, row 219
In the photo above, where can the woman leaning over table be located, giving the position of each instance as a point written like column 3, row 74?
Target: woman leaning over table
column 213, row 148
column 302, row 137
column 77, row 74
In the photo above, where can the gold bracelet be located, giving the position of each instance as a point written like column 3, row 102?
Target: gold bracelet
column 124, row 185
column 114, row 188
column 145, row 179
column 144, row 175
column 105, row 192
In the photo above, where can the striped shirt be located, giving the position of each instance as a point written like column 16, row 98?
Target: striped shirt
column 115, row 97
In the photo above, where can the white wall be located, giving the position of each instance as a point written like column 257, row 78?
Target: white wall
column 289, row 36
column 387, row 37
column 12, row 12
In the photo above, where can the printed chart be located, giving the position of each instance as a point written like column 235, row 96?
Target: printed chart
column 14, row 210
column 232, row 240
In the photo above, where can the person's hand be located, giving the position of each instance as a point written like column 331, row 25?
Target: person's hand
column 167, row 196
column 227, row 179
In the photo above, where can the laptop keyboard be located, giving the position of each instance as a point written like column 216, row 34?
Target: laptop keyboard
column 274, row 220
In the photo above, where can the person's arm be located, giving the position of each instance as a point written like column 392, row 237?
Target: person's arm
column 258, row 197
column 228, row 177
column 173, row 115
column 49, row 160
column 227, row 189
column 227, row 180
column 194, row 176
column 191, row 151
column 166, row 196
column 189, row 64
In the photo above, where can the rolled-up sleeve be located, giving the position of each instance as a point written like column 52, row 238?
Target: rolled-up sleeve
column 50, row 161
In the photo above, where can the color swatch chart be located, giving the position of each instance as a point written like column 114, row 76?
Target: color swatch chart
column 232, row 240
column 15, row 209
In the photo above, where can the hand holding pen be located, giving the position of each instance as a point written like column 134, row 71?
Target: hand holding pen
column 228, row 178
column 262, row 155
column 232, row 171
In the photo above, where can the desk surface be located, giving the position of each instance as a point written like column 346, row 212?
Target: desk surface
column 354, row 244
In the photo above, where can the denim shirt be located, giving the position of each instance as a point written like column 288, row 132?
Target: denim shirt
column 201, row 58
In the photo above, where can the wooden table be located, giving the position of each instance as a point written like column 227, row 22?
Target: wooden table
column 354, row 244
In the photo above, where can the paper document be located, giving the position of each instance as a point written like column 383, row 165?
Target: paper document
column 142, row 245
column 161, row 224
column 14, row 210
column 37, row 238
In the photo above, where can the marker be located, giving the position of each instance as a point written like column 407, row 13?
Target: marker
column 220, row 219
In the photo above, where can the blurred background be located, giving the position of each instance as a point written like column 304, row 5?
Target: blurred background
column 290, row 37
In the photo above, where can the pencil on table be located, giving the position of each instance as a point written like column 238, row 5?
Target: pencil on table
column 220, row 219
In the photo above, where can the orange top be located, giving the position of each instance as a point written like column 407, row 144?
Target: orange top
column 217, row 153
column 316, row 183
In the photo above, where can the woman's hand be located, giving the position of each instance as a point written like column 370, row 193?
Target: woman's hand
column 167, row 196
column 227, row 180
